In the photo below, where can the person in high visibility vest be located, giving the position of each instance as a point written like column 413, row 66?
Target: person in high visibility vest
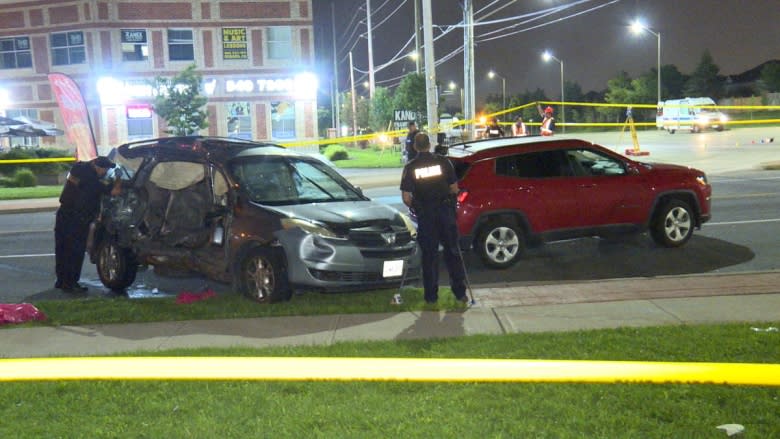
column 518, row 128
column 548, row 121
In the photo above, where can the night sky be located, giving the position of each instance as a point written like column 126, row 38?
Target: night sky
column 594, row 46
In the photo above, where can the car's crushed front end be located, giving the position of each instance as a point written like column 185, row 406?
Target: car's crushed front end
column 347, row 245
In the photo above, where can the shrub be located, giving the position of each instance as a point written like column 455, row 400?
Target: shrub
column 24, row 178
column 20, row 153
column 336, row 152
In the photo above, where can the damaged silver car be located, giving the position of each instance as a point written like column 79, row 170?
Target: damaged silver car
column 264, row 218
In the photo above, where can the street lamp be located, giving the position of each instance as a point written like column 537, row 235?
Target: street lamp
column 637, row 27
column 452, row 86
column 547, row 56
column 491, row 75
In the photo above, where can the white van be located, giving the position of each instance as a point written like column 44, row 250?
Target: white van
column 687, row 114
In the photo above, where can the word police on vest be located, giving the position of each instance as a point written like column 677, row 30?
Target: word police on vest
column 430, row 171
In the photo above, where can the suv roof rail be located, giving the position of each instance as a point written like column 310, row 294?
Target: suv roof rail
column 178, row 140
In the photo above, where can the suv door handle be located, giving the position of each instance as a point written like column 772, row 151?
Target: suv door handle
column 587, row 185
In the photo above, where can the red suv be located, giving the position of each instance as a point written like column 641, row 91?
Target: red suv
column 516, row 191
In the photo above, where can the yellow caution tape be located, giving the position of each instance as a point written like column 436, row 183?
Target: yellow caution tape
column 386, row 369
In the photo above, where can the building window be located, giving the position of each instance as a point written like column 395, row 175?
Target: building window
column 134, row 45
column 239, row 120
column 30, row 113
column 283, row 120
column 180, row 46
column 15, row 53
column 139, row 122
column 68, row 48
column 280, row 42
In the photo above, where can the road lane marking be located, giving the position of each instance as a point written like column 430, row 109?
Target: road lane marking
column 731, row 223
column 42, row 255
column 737, row 196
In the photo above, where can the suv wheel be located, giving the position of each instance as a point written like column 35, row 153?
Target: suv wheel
column 261, row 277
column 673, row 224
column 116, row 266
column 500, row 244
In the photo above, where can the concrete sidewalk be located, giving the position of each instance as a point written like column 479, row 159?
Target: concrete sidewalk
column 678, row 300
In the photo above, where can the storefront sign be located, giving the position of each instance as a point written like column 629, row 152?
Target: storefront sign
column 234, row 43
column 133, row 36
column 285, row 85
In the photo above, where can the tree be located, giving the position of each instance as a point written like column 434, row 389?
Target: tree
column 619, row 91
column 770, row 76
column 672, row 82
column 410, row 95
column 178, row 101
column 704, row 80
column 381, row 109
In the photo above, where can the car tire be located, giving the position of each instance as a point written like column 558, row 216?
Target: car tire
column 671, row 131
column 500, row 244
column 672, row 224
column 116, row 266
column 261, row 277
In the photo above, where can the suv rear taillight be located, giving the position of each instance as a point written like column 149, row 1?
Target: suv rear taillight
column 462, row 196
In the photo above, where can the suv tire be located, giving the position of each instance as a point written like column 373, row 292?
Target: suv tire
column 261, row 277
column 500, row 243
column 116, row 265
column 673, row 224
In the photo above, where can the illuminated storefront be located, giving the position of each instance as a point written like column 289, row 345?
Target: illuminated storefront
column 256, row 60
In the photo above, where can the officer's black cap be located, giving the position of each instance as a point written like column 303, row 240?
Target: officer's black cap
column 104, row 162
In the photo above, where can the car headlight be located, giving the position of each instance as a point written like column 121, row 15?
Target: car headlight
column 702, row 179
column 308, row 227
column 724, row 118
column 409, row 224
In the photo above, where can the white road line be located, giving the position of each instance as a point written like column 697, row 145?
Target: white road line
column 42, row 255
column 731, row 223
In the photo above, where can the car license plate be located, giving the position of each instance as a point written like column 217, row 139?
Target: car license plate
column 393, row 268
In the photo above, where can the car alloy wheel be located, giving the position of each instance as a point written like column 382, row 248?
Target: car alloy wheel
column 116, row 266
column 261, row 277
column 500, row 244
column 674, row 224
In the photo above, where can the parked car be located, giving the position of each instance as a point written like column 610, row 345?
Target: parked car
column 529, row 190
column 257, row 215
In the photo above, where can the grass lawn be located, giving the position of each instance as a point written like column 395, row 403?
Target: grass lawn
column 204, row 409
column 120, row 309
column 370, row 158
column 23, row 193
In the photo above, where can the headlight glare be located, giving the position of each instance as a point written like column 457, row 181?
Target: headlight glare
column 308, row 227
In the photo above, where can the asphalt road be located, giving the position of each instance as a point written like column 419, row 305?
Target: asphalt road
column 741, row 237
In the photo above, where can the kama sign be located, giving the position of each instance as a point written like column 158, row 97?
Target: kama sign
column 402, row 117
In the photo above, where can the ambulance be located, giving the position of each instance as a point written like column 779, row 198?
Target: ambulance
column 688, row 114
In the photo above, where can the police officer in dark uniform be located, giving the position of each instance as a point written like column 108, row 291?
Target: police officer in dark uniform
column 79, row 205
column 411, row 153
column 429, row 186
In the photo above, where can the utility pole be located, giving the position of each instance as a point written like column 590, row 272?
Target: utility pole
column 430, row 68
column 370, row 52
column 335, row 97
column 469, row 108
column 354, row 102
column 417, row 35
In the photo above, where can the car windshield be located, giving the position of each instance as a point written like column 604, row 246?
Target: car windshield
column 285, row 180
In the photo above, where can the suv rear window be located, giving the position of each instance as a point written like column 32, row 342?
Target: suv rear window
column 544, row 164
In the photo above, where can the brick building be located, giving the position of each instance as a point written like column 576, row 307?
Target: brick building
column 256, row 58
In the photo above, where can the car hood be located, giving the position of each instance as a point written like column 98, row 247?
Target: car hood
column 340, row 213
column 668, row 168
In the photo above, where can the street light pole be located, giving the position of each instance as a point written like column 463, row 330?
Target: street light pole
column 638, row 27
column 548, row 56
column 491, row 75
